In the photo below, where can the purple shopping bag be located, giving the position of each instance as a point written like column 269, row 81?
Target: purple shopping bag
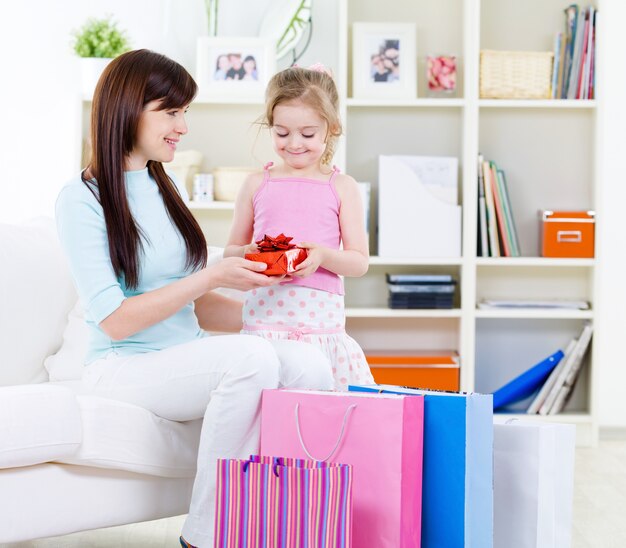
column 380, row 436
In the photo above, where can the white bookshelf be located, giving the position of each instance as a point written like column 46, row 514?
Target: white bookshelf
column 547, row 148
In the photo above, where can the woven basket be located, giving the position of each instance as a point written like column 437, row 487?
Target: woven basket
column 515, row 74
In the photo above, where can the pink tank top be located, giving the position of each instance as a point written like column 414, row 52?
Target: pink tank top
column 306, row 209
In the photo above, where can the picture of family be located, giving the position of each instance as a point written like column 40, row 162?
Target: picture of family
column 235, row 66
column 385, row 61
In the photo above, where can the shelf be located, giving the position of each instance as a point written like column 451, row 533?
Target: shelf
column 427, row 261
column 533, row 261
column 403, row 313
column 537, row 103
column 534, row 313
column 211, row 205
column 404, row 103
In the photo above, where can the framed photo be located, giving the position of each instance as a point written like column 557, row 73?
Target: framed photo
column 384, row 61
column 234, row 67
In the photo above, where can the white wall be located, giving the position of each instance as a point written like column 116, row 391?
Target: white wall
column 40, row 82
column 38, row 98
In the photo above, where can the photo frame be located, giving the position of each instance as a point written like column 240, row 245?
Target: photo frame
column 234, row 67
column 384, row 61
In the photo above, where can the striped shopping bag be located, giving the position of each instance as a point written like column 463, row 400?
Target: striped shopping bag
column 283, row 503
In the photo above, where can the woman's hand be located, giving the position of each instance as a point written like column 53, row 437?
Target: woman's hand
column 315, row 256
column 238, row 273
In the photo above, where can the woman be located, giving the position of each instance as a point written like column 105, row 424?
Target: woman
column 138, row 259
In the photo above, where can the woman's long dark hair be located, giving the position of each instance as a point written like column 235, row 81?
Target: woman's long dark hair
column 127, row 84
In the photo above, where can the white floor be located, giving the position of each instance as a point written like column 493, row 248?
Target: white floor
column 599, row 510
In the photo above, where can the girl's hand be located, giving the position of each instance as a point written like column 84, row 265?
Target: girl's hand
column 238, row 273
column 250, row 248
column 315, row 256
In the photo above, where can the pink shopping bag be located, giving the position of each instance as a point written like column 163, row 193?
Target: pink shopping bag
column 271, row 502
column 380, row 436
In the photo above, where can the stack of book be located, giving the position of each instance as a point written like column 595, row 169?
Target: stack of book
column 421, row 290
column 573, row 74
column 551, row 380
column 497, row 235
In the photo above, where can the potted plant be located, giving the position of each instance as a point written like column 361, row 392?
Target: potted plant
column 97, row 42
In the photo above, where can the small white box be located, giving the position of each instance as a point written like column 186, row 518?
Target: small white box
column 418, row 211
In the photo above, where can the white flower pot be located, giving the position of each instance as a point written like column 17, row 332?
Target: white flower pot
column 90, row 70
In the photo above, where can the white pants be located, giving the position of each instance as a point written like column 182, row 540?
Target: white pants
column 220, row 379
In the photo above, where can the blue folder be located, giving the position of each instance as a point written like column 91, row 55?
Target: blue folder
column 525, row 384
column 457, row 486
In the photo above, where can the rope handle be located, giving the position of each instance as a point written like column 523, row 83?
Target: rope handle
column 346, row 416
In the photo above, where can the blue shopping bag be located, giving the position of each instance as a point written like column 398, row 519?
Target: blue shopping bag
column 457, row 487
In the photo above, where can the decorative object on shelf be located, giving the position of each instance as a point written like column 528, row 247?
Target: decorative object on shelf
column 441, row 74
column 515, row 74
column 280, row 256
column 228, row 181
column 418, row 211
column 202, row 187
column 384, row 61
column 286, row 22
column 567, row 234
column 212, row 12
column 420, row 291
column 234, row 67
column 184, row 166
column 97, row 42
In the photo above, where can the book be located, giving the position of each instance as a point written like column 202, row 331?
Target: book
column 525, row 384
column 571, row 15
column 571, row 375
column 541, row 396
column 508, row 215
column 530, row 303
column 576, row 58
column 482, row 212
column 419, row 278
column 574, row 360
column 559, row 88
column 558, row 38
column 492, row 229
column 497, row 200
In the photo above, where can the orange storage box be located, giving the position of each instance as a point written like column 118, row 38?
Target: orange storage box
column 568, row 234
column 435, row 372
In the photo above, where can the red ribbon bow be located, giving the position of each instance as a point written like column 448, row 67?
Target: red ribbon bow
column 279, row 243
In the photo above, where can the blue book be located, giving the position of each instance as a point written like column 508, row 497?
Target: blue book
column 525, row 384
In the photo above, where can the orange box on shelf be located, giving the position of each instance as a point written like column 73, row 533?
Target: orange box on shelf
column 568, row 234
column 437, row 372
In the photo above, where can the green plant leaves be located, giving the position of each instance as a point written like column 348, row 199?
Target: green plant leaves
column 100, row 38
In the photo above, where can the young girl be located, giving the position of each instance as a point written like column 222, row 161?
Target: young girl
column 320, row 208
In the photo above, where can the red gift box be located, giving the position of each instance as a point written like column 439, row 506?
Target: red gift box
column 278, row 254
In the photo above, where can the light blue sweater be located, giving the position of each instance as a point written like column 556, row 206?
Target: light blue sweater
column 82, row 231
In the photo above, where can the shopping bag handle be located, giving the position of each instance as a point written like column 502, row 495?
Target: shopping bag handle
column 346, row 416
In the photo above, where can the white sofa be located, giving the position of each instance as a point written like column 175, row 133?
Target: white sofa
column 69, row 461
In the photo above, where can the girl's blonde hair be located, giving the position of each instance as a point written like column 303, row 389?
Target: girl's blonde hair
column 315, row 89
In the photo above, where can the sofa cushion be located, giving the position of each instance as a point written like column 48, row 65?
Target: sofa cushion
column 36, row 293
column 38, row 423
column 68, row 363
column 123, row 436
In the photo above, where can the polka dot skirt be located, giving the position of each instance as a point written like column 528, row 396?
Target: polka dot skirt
column 312, row 316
